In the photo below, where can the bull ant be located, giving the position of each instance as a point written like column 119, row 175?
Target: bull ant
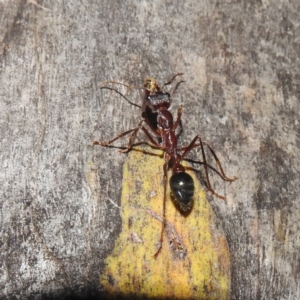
column 160, row 124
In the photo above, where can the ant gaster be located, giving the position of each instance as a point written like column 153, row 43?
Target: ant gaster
column 160, row 123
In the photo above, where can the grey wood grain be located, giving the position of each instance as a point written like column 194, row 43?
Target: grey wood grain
column 241, row 66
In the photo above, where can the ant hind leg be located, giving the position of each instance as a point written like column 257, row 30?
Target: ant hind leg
column 193, row 145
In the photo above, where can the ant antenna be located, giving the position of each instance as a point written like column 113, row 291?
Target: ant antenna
column 117, row 82
column 102, row 86
column 172, row 79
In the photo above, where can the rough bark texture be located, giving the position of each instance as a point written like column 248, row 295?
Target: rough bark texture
column 241, row 65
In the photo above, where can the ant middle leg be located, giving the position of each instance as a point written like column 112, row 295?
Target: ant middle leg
column 148, row 135
column 132, row 137
column 114, row 139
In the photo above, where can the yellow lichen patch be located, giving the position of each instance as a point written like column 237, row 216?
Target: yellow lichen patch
column 194, row 261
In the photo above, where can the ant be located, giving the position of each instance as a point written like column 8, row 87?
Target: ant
column 160, row 123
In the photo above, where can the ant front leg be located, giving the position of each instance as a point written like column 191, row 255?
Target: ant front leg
column 193, row 145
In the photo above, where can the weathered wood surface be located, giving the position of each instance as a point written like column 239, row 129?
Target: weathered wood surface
column 241, row 65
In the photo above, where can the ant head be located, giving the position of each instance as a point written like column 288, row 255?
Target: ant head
column 155, row 98
column 151, row 86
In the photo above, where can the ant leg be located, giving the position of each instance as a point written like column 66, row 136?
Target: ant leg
column 179, row 113
column 133, row 136
column 224, row 177
column 219, row 164
column 194, row 145
column 131, row 139
column 167, row 158
column 150, row 138
column 116, row 138
column 156, row 144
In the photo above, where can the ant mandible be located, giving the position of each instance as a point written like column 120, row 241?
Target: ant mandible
column 160, row 123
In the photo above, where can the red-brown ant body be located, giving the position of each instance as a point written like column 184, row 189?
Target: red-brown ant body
column 156, row 105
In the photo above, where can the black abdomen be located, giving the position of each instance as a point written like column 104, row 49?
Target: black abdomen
column 182, row 187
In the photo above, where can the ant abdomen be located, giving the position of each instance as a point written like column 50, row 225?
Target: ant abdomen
column 182, row 187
